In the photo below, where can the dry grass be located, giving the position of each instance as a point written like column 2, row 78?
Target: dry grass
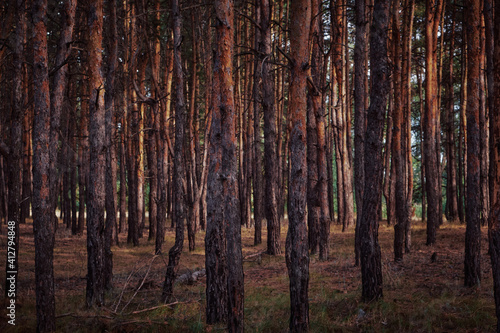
column 419, row 295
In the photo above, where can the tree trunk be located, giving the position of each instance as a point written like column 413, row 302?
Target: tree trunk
column 270, row 135
column 43, row 226
column 431, row 125
column 473, row 209
column 371, row 266
column 179, row 176
column 360, row 107
column 15, row 148
column 494, row 221
column 451, row 182
column 297, row 255
column 110, row 177
column 258, row 195
column 96, row 189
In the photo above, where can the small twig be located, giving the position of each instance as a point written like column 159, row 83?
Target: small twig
column 72, row 314
column 142, row 283
column 254, row 255
column 161, row 306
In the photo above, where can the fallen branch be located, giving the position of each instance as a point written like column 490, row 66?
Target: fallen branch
column 161, row 306
column 254, row 255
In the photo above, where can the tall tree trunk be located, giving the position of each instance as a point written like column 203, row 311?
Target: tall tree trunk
column 43, row 226
column 223, row 258
column 473, row 210
column 179, row 176
column 451, row 183
column 494, row 221
column 258, row 195
column 371, row 266
column 297, row 255
column 110, row 177
column 270, row 135
column 431, row 126
column 96, row 189
column 15, row 148
column 360, row 107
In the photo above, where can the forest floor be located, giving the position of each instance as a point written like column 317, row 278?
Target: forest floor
column 419, row 295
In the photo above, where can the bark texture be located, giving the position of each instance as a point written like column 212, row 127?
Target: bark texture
column 42, row 208
column 297, row 243
column 371, row 266
column 472, row 269
column 96, row 185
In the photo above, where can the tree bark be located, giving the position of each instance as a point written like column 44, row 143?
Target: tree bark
column 371, row 266
column 494, row 219
column 472, row 262
column 179, row 175
column 360, row 107
column 96, row 186
column 258, row 195
column 431, row 126
column 297, row 244
column 270, row 135
column 43, row 226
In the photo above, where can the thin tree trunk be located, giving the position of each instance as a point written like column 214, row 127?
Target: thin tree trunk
column 179, row 176
column 270, row 135
column 258, row 195
column 494, row 221
column 431, row 126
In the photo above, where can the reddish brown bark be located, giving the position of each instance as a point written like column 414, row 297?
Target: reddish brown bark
column 96, row 186
column 223, row 239
column 43, row 226
column 472, row 264
column 296, row 244
column 431, row 124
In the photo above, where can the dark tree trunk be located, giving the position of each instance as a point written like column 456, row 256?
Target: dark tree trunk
column 360, row 107
column 179, row 176
column 297, row 255
column 109, row 146
column 96, row 186
column 258, row 195
column 472, row 267
column 43, row 225
column 494, row 221
column 15, row 147
column 270, row 135
column 451, row 182
column 371, row 266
